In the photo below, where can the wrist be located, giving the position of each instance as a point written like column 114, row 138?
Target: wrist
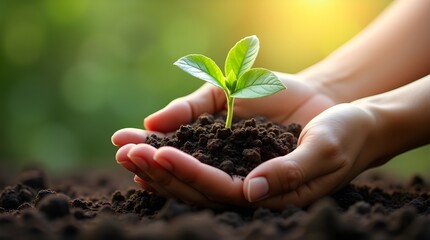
column 377, row 150
column 401, row 119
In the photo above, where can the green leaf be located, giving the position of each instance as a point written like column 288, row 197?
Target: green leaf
column 202, row 67
column 231, row 81
column 242, row 56
column 257, row 82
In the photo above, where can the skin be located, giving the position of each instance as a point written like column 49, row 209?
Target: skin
column 354, row 105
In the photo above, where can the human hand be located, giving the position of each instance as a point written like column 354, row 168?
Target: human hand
column 300, row 105
column 333, row 149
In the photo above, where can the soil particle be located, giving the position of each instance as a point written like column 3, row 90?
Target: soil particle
column 34, row 178
column 13, row 197
column 43, row 193
column 54, row 206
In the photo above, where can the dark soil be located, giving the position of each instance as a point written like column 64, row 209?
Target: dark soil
column 107, row 205
column 236, row 150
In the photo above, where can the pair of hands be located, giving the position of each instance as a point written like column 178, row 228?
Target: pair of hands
column 328, row 156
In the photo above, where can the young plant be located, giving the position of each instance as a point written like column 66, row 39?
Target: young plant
column 240, row 80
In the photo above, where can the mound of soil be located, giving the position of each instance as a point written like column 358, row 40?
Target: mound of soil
column 236, row 150
column 107, row 206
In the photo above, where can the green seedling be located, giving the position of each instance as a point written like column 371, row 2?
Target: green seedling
column 240, row 80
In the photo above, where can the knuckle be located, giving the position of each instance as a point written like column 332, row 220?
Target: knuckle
column 334, row 152
column 332, row 146
column 293, row 176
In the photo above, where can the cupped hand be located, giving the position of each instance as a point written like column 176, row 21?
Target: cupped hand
column 332, row 150
column 173, row 173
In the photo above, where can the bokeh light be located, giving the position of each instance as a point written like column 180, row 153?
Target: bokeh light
column 72, row 72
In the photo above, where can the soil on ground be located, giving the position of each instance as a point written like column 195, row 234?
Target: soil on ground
column 107, row 204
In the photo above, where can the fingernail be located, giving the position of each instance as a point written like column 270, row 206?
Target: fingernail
column 257, row 189
column 111, row 140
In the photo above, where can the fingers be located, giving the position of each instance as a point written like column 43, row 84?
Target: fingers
column 122, row 158
column 313, row 159
column 162, row 180
column 143, row 184
column 173, row 173
column 208, row 99
column 131, row 135
column 140, row 155
column 216, row 185
column 306, row 193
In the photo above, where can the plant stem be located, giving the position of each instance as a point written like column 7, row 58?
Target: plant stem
column 230, row 101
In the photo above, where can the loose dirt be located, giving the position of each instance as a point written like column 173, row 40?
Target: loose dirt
column 107, row 205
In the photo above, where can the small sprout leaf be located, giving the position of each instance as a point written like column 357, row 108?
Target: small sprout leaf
column 231, row 80
column 242, row 56
column 202, row 67
column 257, row 82
column 240, row 80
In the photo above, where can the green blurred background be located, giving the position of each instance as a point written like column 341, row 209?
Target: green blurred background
column 72, row 72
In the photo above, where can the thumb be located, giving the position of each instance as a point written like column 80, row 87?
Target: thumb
column 208, row 99
column 312, row 159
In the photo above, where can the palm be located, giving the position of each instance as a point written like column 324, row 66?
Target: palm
column 299, row 103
